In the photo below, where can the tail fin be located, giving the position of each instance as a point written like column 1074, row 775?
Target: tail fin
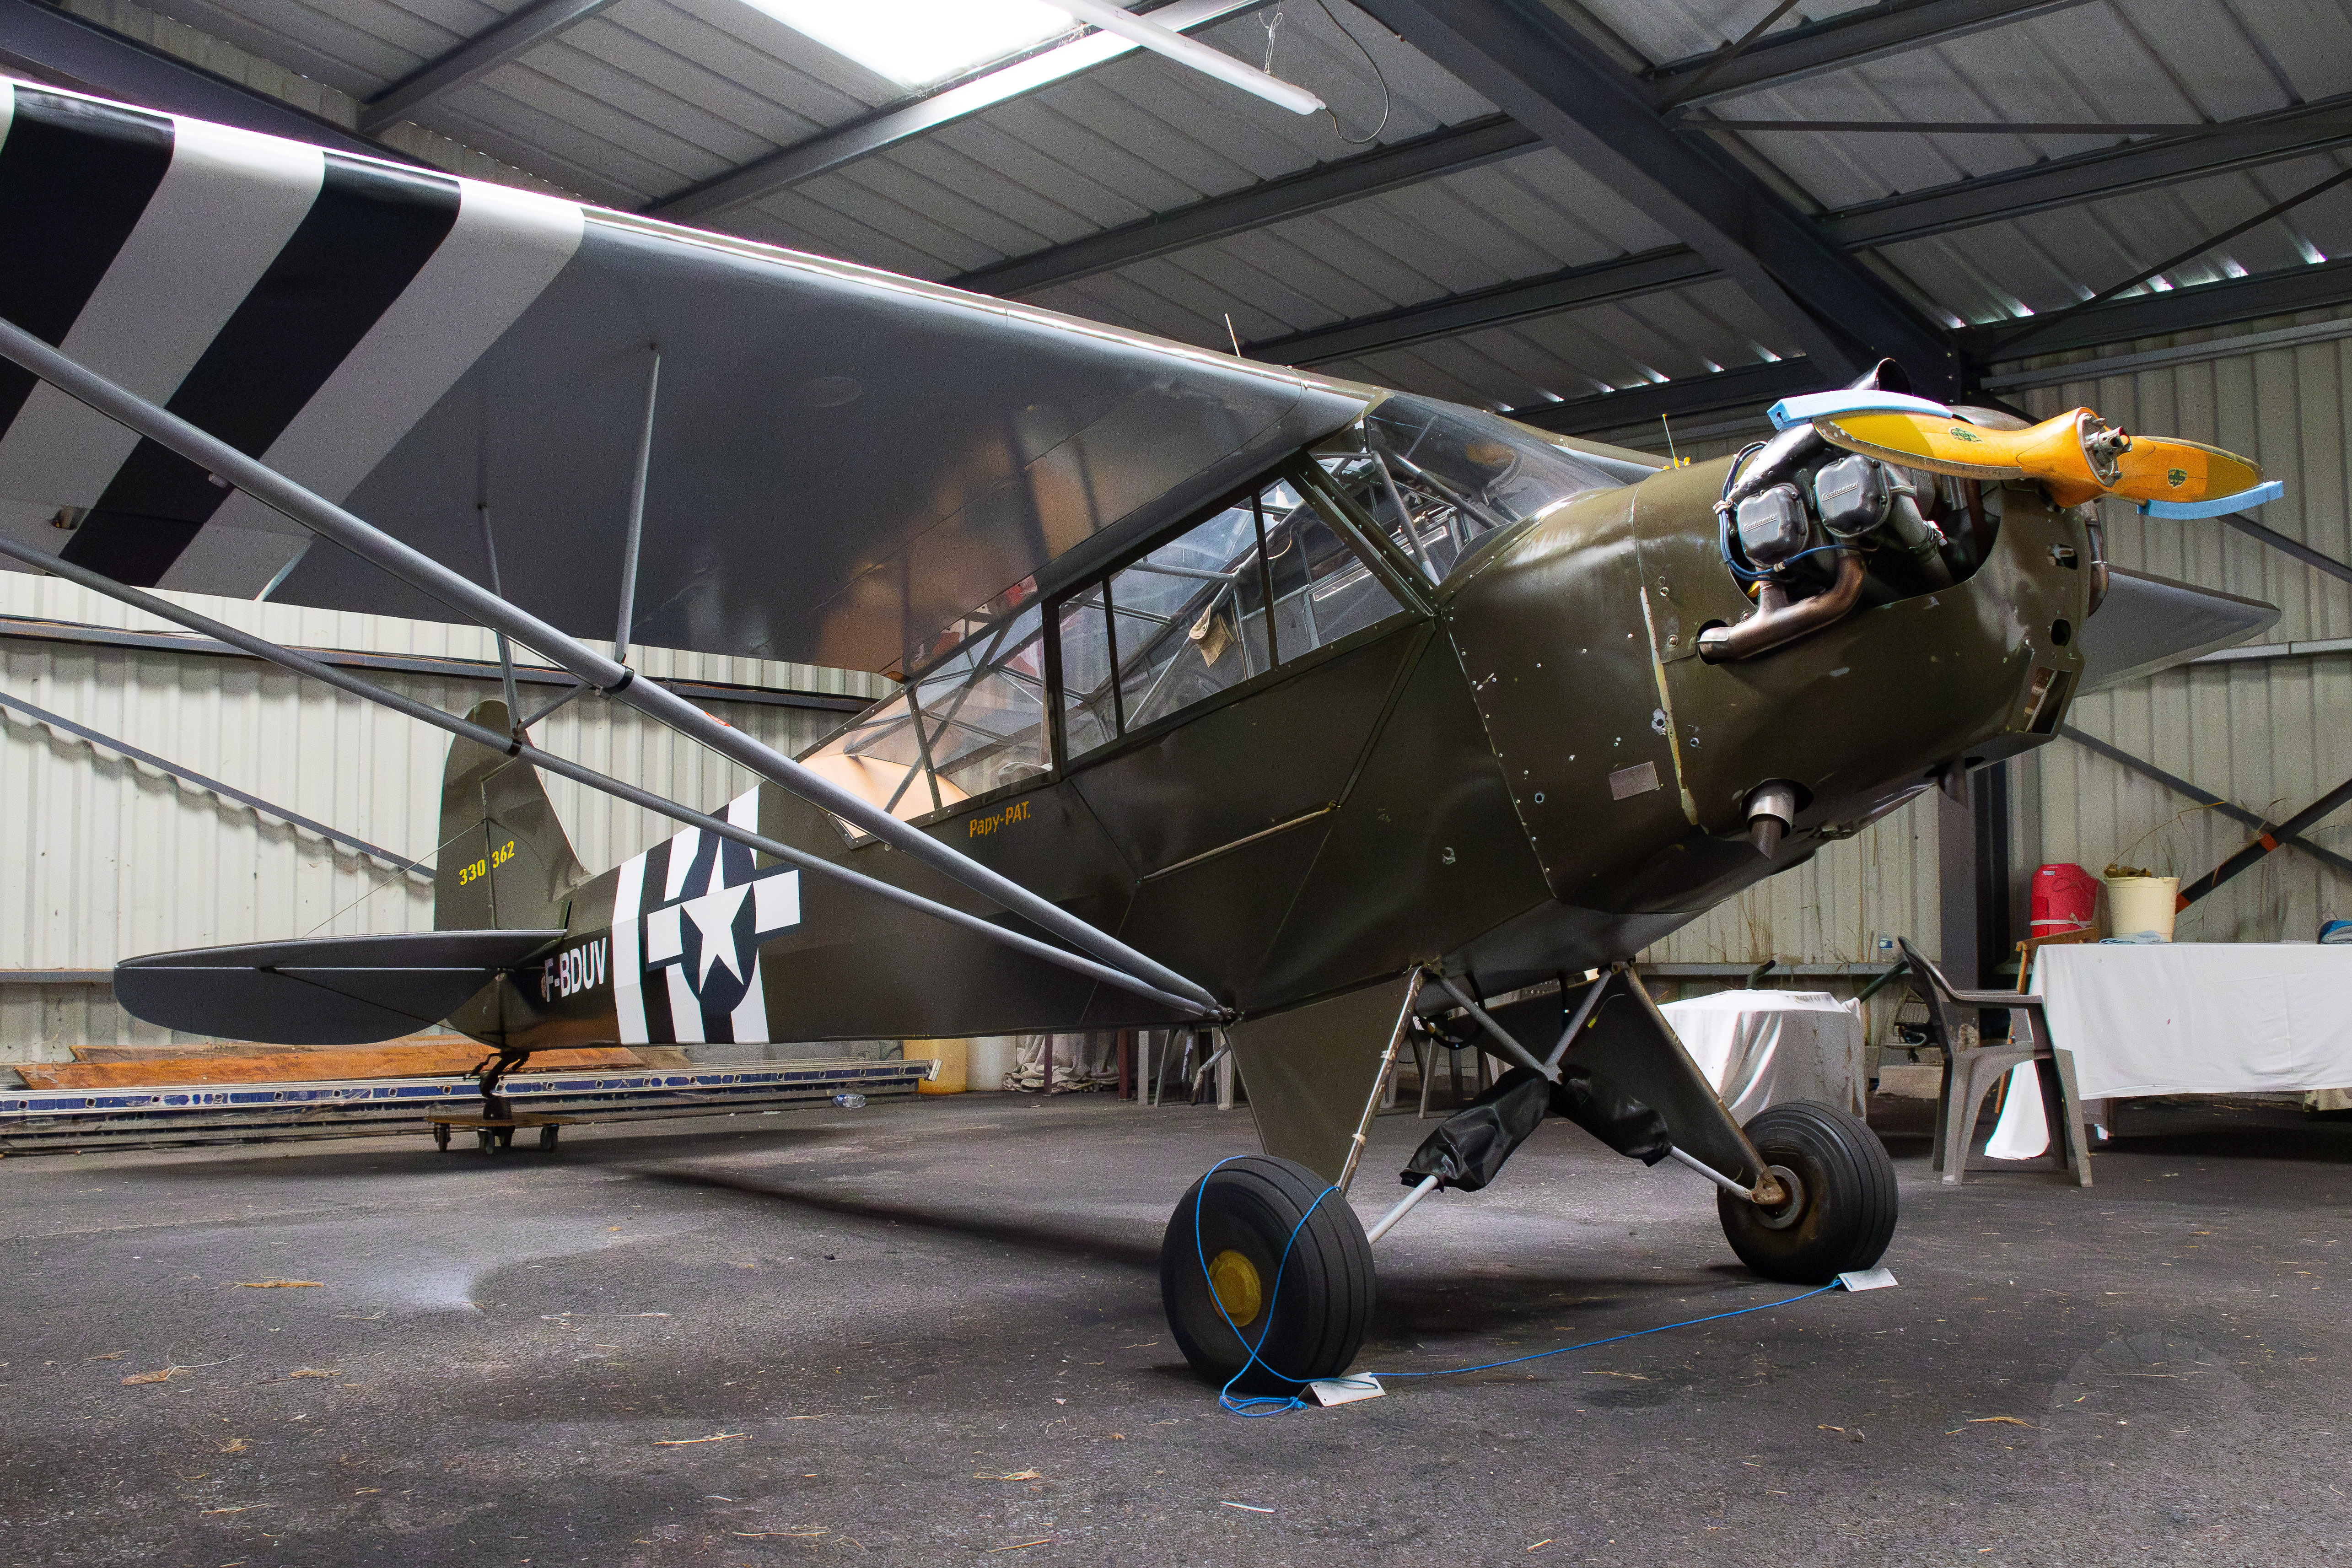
column 505, row 861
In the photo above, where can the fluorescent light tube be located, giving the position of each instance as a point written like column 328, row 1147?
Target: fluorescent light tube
column 1142, row 30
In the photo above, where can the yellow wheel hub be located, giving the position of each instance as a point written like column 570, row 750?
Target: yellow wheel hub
column 1233, row 1279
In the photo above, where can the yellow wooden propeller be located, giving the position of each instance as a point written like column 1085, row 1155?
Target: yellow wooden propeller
column 2077, row 454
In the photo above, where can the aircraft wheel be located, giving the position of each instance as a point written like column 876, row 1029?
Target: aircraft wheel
column 1841, row 1213
column 1229, row 1288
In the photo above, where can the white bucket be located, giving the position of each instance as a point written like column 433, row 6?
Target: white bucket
column 2140, row 904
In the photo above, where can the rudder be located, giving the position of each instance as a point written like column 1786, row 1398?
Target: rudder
column 505, row 861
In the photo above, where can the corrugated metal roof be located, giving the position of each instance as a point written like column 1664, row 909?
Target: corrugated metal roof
column 2049, row 260
column 2143, row 61
column 1517, row 218
column 1137, row 137
column 652, row 96
column 1548, row 359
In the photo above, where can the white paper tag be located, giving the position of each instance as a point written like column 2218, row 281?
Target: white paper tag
column 1346, row 1390
column 1867, row 1280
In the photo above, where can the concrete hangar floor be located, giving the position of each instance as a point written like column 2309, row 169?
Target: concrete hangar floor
column 927, row 1333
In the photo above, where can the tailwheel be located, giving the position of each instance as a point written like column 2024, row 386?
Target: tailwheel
column 1240, row 1272
column 1839, row 1214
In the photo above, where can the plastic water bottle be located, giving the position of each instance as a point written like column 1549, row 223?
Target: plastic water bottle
column 850, row 1101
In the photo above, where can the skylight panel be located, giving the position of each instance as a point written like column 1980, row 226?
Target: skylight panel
column 918, row 42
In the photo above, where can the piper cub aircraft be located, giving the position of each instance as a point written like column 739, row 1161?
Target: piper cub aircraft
column 1230, row 697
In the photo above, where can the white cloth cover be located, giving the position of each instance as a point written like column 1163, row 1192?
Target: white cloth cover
column 1765, row 1048
column 2186, row 1018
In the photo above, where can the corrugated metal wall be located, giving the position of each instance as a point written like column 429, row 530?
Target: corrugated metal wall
column 2270, row 735
column 101, row 858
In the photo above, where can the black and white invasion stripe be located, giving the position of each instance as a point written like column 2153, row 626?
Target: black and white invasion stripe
column 306, row 306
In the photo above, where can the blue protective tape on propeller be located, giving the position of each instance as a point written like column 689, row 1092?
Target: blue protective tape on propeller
column 1254, row 1405
column 2183, row 511
column 1814, row 406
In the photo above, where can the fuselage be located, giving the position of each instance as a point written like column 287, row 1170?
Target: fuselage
column 1530, row 770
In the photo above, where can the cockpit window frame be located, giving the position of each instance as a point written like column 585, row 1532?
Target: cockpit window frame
column 1398, row 574
column 1303, row 471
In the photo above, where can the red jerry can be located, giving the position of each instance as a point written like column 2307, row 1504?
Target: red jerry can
column 2065, row 898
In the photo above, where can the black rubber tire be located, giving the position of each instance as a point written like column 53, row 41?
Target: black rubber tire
column 1846, row 1216
column 1320, row 1304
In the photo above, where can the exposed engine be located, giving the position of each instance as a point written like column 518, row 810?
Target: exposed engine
column 1810, row 531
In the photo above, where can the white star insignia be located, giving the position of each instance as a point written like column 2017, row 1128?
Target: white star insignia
column 713, row 914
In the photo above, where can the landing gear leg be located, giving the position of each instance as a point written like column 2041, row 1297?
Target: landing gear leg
column 1265, row 1256
column 1840, row 1208
column 490, row 1073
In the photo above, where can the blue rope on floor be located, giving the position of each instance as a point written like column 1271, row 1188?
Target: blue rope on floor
column 1254, row 1406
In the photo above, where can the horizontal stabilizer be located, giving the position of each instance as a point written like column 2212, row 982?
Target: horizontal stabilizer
column 2146, row 624
column 326, row 991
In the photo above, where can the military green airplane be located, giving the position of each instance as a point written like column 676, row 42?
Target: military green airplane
column 1231, row 698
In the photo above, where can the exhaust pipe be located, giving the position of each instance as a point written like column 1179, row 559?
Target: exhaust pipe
column 1771, row 811
column 1774, row 625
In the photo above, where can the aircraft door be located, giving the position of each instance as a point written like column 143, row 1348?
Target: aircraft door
column 1217, row 695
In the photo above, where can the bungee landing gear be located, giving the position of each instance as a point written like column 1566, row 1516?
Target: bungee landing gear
column 1266, row 1277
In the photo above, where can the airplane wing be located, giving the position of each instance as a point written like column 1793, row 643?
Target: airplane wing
column 841, row 462
column 2149, row 622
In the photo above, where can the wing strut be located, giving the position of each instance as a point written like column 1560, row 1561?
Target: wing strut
column 303, row 663
column 1119, row 963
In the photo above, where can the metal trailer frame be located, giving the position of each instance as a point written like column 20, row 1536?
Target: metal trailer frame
column 61, row 1119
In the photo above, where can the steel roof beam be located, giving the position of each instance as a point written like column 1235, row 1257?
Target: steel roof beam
column 1745, row 387
column 2244, row 143
column 523, row 29
column 2219, row 304
column 1942, row 210
column 1809, row 50
column 1535, row 68
column 41, row 43
column 1836, row 44
column 1447, row 150
column 890, row 127
column 2182, row 310
column 1571, row 288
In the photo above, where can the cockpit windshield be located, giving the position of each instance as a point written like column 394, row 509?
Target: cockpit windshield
column 1455, row 474
column 1493, row 465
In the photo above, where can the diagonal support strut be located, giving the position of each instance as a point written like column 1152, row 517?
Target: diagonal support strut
column 615, row 680
column 303, row 663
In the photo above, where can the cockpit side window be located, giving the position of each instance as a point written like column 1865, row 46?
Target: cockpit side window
column 1262, row 580
column 1267, row 578
column 970, row 723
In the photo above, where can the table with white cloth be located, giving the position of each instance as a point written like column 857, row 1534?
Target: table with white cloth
column 1766, row 1047
column 2207, row 1017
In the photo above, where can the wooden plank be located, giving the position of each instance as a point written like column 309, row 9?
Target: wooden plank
column 306, row 1067
column 209, row 1049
